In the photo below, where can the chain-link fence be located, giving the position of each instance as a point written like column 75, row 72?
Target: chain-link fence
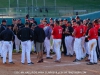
column 44, row 8
column 44, row 11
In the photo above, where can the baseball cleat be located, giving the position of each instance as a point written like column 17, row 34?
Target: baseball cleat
column 90, row 63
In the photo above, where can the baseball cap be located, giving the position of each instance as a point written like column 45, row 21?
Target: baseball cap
column 60, row 19
column 14, row 19
column 77, row 17
column 95, row 21
column 4, row 20
column 65, row 19
column 55, row 19
column 19, row 19
column 51, row 18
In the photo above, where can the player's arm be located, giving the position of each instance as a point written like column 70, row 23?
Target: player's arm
column 74, row 33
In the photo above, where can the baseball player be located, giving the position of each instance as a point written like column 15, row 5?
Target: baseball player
column 48, row 31
column 92, row 36
column 69, row 40
column 57, row 36
column 97, row 26
column 77, row 43
column 3, row 27
column 41, row 25
column 7, row 36
column 17, row 41
column 84, row 28
column 39, row 37
column 19, row 24
column 25, row 34
column 33, row 43
column 63, row 36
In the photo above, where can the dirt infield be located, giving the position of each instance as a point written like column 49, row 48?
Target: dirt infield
column 49, row 67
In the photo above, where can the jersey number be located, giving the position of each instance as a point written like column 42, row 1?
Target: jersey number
column 60, row 31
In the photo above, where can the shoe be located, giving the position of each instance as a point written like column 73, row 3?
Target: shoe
column 11, row 62
column 49, row 58
column 95, row 63
column 66, row 55
column 40, row 61
column 90, row 63
column 57, row 61
column 76, row 60
column 30, row 63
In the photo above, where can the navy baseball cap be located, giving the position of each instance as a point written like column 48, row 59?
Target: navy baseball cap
column 4, row 20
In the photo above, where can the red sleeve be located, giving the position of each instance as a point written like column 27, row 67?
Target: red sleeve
column 53, row 31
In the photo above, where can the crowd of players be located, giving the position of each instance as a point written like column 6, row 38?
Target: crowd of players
column 76, row 37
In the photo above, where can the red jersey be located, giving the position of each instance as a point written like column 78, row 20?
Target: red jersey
column 74, row 27
column 57, row 32
column 41, row 25
column 78, row 32
column 93, row 33
column 96, row 26
column 84, row 28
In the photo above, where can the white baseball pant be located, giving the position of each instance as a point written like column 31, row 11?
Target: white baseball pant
column 47, row 46
column 7, row 47
column 92, row 47
column 33, row 46
column 26, row 48
column 69, row 45
column 57, row 44
column 77, row 48
column 1, row 52
column 17, row 43
column 83, row 51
